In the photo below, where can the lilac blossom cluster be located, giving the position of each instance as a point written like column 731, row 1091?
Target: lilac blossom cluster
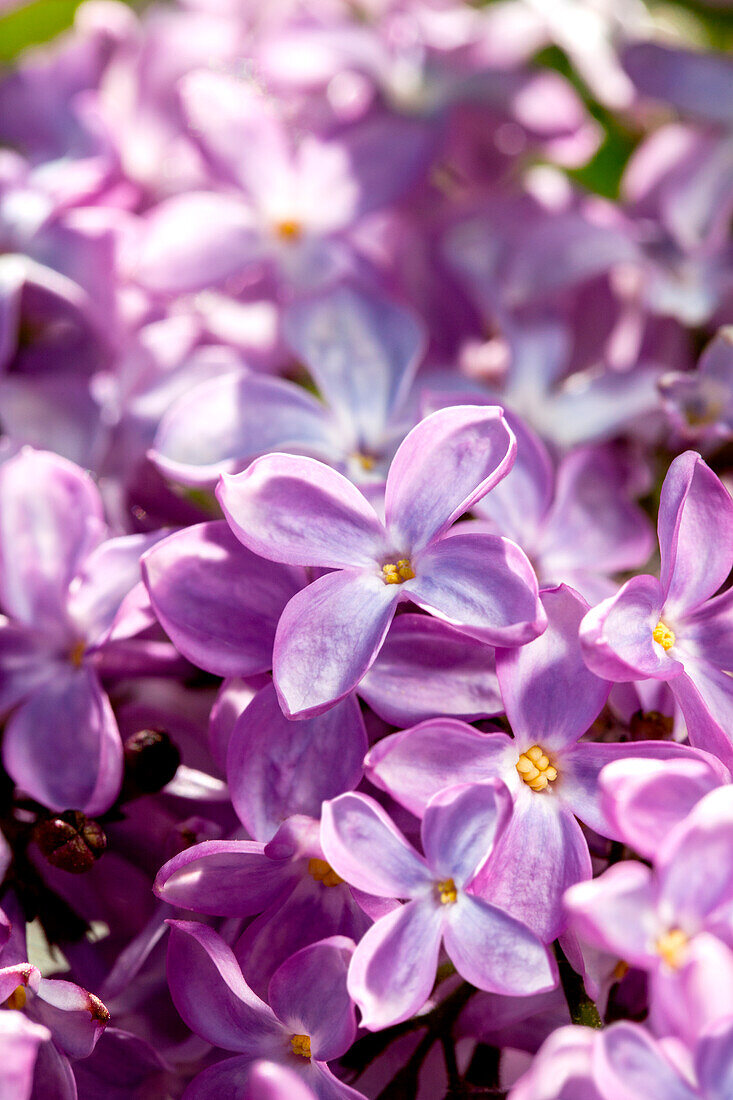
column 359, row 739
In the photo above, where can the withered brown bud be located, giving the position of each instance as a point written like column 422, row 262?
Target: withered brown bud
column 70, row 841
column 650, row 725
column 151, row 761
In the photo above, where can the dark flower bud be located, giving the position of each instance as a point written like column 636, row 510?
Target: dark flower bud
column 650, row 725
column 70, row 841
column 151, row 761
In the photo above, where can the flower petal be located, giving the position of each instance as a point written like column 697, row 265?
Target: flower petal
column 461, row 827
column 481, row 584
column 493, row 951
column 695, row 533
column 616, row 912
column 276, row 767
column 224, row 878
column 633, row 1067
column 551, row 697
column 218, row 602
column 616, row 635
column 448, row 462
column 212, row 996
column 368, row 851
column 222, row 424
column 62, row 745
column 308, row 994
column 362, row 351
column 328, row 637
column 50, row 518
column 300, row 512
column 393, row 968
column 417, row 763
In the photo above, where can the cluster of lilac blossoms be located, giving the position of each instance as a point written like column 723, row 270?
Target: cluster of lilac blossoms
column 358, row 737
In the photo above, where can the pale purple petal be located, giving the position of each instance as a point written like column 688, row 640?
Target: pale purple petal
column 328, row 636
column 362, row 351
column 192, row 241
column 308, row 994
column 695, row 533
column 448, row 462
column 693, row 81
column 222, row 424
column 493, row 951
column 76, row 1018
column 482, row 584
column 644, row 799
column 276, row 767
column 224, row 878
column 298, row 511
column 541, row 853
column 519, row 503
column 50, row 518
column 705, row 697
column 110, row 572
column 632, row 1066
column 269, row 1081
column 364, row 848
column 417, row 763
column 62, row 745
column 20, row 1040
column 27, row 660
column 461, row 827
column 212, row 996
column 551, row 697
column 695, row 869
column 427, row 668
column 393, row 968
column 616, row 635
column 616, row 912
column 714, row 1060
column 218, row 602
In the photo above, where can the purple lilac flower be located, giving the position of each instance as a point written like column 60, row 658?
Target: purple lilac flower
column 677, row 628
column 393, row 968
column 303, row 513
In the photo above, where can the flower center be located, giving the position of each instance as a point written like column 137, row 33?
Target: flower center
column 663, row 635
column 397, row 572
column 447, row 892
column 16, row 999
column 289, row 229
column 301, row 1045
column 76, row 653
column 366, row 461
column 323, row 872
column 671, row 946
column 535, row 769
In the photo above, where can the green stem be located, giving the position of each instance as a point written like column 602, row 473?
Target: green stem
column 582, row 1009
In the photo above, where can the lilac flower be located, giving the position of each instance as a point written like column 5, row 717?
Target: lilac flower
column 299, row 511
column 308, row 1022
column 671, row 629
column 669, row 921
column 551, row 699
column 393, row 968
column 63, row 589
column 361, row 350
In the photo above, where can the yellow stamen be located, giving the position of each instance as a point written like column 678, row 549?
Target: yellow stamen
column 289, row 230
column 367, row 462
column 323, row 872
column 620, row 970
column 663, row 635
column 535, row 769
column 446, row 891
column 397, row 572
column 672, row 946
column 301, row 1045
column 76, row 654
column 17, row 998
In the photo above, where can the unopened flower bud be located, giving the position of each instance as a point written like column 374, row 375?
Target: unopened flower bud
column 151, row 761
column 70, row 841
